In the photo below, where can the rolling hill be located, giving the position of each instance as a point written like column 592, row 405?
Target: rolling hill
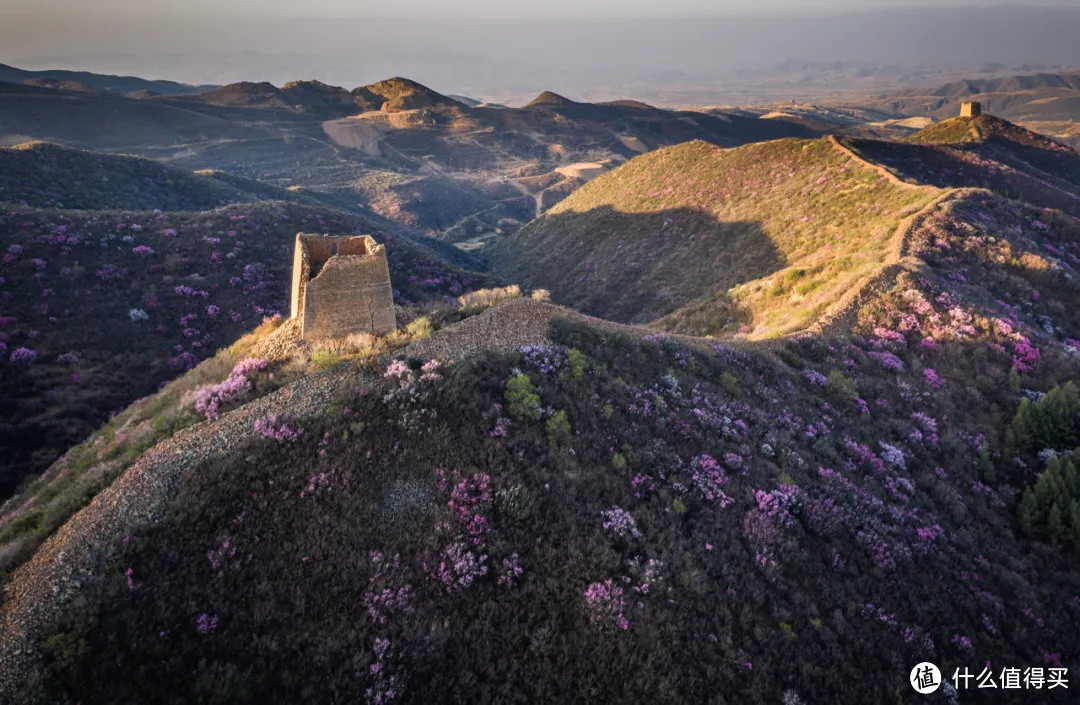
column 766, row 239
column 119, row 273
column 395, row 144
column 986, row 152
column 663, row 519
column 50, row 176
column 768, row 233
column 1048, row 103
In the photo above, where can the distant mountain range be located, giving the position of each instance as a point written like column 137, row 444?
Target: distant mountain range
column 83, row 80
column 463, row 170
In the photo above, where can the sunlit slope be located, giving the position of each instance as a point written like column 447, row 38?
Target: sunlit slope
column 759, row 239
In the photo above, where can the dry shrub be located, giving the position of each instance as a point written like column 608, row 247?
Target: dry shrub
column 481, row 299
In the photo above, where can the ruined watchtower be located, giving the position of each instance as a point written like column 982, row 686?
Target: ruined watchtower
column 341, row 285
column 972, row 108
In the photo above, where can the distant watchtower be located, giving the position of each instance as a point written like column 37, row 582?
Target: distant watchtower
column 341, row 285
column 971, row 108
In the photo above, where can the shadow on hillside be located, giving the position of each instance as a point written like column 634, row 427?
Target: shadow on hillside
column 1063, row 164
column 636, row 267
column 937, row 165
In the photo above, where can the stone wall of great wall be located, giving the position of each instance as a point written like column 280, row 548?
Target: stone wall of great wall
column 341, row 285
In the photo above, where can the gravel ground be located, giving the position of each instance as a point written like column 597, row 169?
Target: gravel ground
column 513, row 324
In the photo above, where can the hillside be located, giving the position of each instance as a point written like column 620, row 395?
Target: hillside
column 986, row 152
column 761, row 238
column 50, row 176
column 548, row 99
column 660, row 520
column 106, row 304
column 1045, row 102
column 317, row 98
column 396, row 143
column 766, row 239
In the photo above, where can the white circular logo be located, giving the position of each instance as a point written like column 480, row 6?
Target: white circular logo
column 925, row 678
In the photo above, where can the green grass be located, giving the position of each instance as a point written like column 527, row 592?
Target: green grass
column 760, row 238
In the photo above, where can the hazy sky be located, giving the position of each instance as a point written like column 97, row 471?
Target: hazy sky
column 501, row 48
column 485, row 8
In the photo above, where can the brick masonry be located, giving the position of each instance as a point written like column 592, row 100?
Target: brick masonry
column 341, row 285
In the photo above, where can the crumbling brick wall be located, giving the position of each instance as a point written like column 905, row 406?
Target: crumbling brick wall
column 970, row 109
column 341, row 285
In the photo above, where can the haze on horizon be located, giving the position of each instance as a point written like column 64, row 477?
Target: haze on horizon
column 590, row 49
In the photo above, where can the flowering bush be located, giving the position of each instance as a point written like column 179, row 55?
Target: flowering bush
column 888, row 361
column 22, row 356
column 459, row 566
column 605, row 604
column 619, row 522
column 210, row 399
column 932, row 378
column 470, row 499
column 708, row 478
column 274, row 427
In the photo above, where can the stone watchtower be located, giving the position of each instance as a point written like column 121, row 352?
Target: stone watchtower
column 970, row 109
column 341, row 285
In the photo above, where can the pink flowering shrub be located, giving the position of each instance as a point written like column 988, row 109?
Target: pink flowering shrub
column 605, row 605
column 274, row 427
column 888, row 361
column 708, row 478
column 1025, row 356
column 511, row 571
column 932, row 378
column 618, row 522
column 22, row 356
column 206, row 623
column 210, row 399
column 470, row 500
column 387, row 593
column 458, row 566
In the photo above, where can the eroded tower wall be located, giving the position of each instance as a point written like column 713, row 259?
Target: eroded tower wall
column 341, row 285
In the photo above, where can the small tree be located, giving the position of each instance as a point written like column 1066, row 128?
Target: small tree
column 1052, row 422
column 577, row 363
column 1052, row 506
column 558, row 430
column 522, row 401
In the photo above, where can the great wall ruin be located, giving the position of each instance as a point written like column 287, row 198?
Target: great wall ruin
column 341, row 285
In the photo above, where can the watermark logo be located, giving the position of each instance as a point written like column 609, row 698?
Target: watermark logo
column 925, row 678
